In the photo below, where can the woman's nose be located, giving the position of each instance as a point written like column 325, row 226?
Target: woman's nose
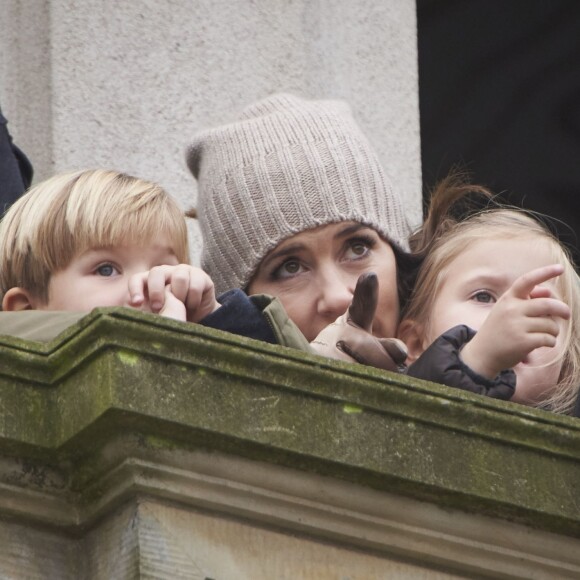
column 335, row 295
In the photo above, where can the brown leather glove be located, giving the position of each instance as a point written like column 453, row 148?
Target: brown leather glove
column 350, row 337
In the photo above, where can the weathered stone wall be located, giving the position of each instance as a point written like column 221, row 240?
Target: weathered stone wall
column 135, row 446
column 126, row 84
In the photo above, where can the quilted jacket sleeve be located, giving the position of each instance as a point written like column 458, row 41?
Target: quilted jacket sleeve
column 441, row 363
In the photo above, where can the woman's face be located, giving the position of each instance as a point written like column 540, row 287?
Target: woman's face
column 314, row 274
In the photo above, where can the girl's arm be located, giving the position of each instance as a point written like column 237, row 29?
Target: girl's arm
column 442, row 363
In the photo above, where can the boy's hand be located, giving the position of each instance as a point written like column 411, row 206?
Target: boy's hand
column 350, row 337
column 172, row 307
column 189, row 285
column 519, row 322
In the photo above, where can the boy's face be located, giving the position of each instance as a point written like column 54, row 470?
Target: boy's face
column 474, row 282
column 100, row 276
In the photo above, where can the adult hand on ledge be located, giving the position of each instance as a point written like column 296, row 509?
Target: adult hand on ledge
column 350, row 336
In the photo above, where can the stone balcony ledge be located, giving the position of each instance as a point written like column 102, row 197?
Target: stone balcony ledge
column 125, row 406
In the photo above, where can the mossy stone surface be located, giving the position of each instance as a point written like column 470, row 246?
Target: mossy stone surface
column 183, row 386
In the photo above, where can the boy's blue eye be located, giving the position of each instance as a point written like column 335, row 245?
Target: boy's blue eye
column 105, row 270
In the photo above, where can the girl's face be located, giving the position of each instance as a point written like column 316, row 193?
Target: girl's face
column 474, row 281
column 314, row 274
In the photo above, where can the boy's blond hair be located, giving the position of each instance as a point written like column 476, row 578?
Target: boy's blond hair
column 71, row 213
column 454, row 238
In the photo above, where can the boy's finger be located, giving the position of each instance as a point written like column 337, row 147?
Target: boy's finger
column 524, row 285
column 156, row 282
column 201, row 299
column 193, row 300
column 180, row 282
column 172, row 308
column 137, row 288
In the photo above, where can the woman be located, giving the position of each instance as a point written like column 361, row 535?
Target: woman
column 293, row 203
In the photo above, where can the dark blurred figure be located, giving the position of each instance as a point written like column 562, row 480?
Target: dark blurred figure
column 15, row 169
column 500, row 93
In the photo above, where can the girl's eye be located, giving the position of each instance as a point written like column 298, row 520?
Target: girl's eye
column 484, row 297
column 287, row 269
column 106, row 270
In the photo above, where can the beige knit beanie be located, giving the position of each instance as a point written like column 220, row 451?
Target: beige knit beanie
column 286, row 166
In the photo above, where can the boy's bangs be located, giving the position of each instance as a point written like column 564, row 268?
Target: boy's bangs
column 132, row 222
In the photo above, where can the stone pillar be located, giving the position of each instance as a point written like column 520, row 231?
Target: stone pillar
column 126, row 84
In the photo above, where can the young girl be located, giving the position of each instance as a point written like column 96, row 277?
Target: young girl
column 496, row 309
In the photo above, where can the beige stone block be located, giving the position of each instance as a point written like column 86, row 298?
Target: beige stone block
column 177, row 543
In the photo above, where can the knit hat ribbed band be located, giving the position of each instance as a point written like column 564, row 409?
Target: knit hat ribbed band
column 286, row 166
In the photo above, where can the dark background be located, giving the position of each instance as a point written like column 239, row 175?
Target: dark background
column 499, row 88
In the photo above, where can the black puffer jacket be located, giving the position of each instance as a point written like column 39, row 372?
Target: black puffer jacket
column 441, row 363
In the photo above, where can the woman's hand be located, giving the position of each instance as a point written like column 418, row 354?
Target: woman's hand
column 350, row 337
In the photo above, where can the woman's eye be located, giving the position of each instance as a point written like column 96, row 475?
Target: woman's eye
column 358, row 249
column 291, row 267
column 287, row 269
column 484, row 297
column 106, row 270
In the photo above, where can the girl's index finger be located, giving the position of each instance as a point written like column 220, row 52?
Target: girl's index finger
column 525, row 284
column 541, row 292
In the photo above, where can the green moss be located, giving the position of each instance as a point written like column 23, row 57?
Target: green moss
column 128, row 358
column 155, row 442
column 183, row 387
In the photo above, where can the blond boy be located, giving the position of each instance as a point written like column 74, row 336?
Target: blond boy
column 100, row 238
